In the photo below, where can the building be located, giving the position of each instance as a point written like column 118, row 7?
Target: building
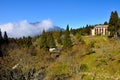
column 100, row 30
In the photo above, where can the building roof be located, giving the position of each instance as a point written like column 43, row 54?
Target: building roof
column 101, row 26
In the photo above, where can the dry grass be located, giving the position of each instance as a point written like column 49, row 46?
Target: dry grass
column 106, row 59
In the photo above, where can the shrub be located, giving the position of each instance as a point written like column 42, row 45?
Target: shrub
column 90, row 51
column 83, row 67
column 91, row 44
column 79, row 38
column 57, row 70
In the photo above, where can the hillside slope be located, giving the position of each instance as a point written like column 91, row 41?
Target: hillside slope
column 96, row 58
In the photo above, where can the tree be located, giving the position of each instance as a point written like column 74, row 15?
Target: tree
column 72, row 31
column 118, row 24
column 67, row 43
column 87, row 30
column 43, row 40
column 59, row 40
column 79, row 38
column 50, row 41
column 1, row 38
column 28, row 41
column 105, row 23
column 113, row 23
column 5, row 38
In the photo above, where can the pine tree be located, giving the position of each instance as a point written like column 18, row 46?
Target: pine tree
column 59, row 40
column 113, row 23
column 50, row 41
column 105, row 23
column 118, row 25
column 5, row 38
column 1, row 38
column 72, row 31
column 28, row 41
column 67, row 43
column 43, row 40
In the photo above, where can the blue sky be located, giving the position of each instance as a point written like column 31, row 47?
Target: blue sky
column 76, row 13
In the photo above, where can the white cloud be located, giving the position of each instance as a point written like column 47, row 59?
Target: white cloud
column 24, row 28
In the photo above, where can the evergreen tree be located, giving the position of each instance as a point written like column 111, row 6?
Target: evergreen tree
column 59, row 40
column 50, row 41
column 67, row 43
column 28, row 41
column 113, row 23
column 118, row 25
column 1, row 38
column 5, row 38
column 105, row 23
column 43, row 40
column 72, row 31
column 87, row 30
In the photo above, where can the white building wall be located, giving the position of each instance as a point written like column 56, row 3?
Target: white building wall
column 103, row 31
column 93, row 32
column 100, row 29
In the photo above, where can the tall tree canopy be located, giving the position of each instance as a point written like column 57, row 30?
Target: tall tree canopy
column 5, row 37
column 1, row 38
column 118, row 24
column 114, row 23
column 47, row 40
column 50, row 41
column 59, row 39
column 43, row 40
column 67, row 43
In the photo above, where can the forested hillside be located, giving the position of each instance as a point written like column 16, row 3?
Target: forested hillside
column 71, row 54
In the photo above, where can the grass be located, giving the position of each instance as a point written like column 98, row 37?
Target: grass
column 104, row 60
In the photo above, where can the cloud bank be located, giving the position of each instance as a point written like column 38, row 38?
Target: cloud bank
column 24, row 28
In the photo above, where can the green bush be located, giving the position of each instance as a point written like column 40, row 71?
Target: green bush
column 57, row 70
column 83, row 67
column 91, row 44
